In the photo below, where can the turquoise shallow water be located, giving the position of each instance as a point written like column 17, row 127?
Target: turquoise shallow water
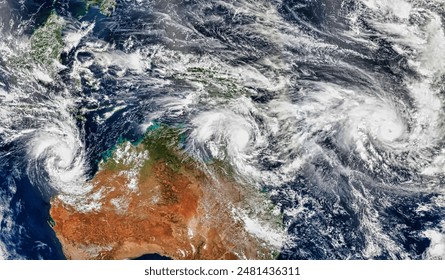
column 332, row 109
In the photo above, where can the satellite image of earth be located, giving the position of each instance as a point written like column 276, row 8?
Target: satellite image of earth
column 222, row 129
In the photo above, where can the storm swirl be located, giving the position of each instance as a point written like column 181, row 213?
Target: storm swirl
column 333, row 108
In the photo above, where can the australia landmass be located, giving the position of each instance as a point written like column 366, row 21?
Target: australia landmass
column 153, row 197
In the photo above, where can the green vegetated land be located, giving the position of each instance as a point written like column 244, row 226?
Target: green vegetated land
column 46, row 42
column 163, row 144
column 106, row 6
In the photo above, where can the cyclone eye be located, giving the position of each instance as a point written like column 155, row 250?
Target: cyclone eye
column 390, row 130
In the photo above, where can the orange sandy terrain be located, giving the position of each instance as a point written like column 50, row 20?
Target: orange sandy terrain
column 182, row 214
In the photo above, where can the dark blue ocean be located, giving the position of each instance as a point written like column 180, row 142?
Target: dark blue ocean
column 342, row 109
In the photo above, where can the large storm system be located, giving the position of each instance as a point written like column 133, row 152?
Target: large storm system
column 333, row 109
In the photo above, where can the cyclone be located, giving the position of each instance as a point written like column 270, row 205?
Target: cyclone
column 334, row 109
